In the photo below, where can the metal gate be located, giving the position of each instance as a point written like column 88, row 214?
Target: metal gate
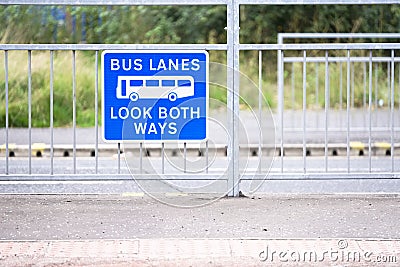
column 244, row 166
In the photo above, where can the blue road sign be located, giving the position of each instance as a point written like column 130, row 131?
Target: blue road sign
column 154, row 95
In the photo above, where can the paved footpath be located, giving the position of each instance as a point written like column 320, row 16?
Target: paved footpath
column 135, row 230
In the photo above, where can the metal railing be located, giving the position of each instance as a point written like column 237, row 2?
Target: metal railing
column 233, row 174
column 377, row 60
column 360, row 133
column 385, row 167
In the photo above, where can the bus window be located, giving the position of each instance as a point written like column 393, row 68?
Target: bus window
column 123, row 88
column 152, row 83
column 170, row 83
column 136, row 83
column 184, row 83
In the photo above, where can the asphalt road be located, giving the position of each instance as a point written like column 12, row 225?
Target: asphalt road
column 195, row 165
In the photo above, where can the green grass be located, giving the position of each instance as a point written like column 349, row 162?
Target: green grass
column 40, row 86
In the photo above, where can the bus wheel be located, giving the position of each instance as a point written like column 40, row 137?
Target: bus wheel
column 172, row 96
column 133, row 97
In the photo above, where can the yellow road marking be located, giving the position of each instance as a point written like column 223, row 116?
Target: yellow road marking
column 38, row 147
column 357, row 145
column 382, row 145
column 11, row 146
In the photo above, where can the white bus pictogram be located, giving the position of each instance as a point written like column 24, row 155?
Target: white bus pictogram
column 154, row 87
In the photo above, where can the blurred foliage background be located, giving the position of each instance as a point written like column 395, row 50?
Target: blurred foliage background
column 185, row 24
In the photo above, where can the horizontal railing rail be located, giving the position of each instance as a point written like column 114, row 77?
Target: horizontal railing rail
column 197, row 2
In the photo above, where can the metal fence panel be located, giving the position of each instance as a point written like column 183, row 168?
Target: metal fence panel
column 305, row 169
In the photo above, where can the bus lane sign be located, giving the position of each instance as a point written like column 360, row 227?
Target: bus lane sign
column 154, row 95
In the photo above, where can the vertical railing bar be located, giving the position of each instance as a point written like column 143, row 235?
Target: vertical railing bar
column 352, row 84
column 389, row 87
column 369, row 113
column 316, row 84
column 364, row 92
column 96, row 111
column 327, row 94
column 184, row 157
column 364, row 85
column 348, row 89
column 141, row 158
column 281, row 101
column 392, row 112
column 259, row 108
column 235, row 103
column 376, row 85
column 51, row 112
column 119, row 158
column 74, row 106
column 317, row 93
column 292, row 86
column 6, row 96
column 341, row 86
column 30, row 108
column 162, row 157
column 399, row 89
column 304, row 110
column 341, row 93
column 207, row 156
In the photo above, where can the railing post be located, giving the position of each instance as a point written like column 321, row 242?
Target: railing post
column 233, row 96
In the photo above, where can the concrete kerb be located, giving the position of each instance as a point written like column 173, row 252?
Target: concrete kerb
column 154, row 150
column 213, row 252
